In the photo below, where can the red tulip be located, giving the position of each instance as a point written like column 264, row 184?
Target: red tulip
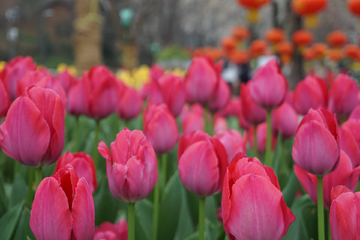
column 33, row 131
column 192, row 119
column 220, row 123
column 169, row 89
column 251, row 111
column 63, row 208
column 156, row 72
column 130, row 103
column 202, row 162
column 310, row 93
column 252, row 203
column 14, row 71
column 83, row 165
column 232, row 141
column 344, row 174
column 268, row 86
column 243, row 123
column 77, row 99
column 109, row 231
column 350, row 140
column 66, row 80
column 343, row 95
column 4, row 99
column 222, row 96
column 355, row 114
column 284, row 120
column 202, row 80
column 344, row 214
column 131, row 166
column 232, row 109
column 261, row 138
column 316, row 146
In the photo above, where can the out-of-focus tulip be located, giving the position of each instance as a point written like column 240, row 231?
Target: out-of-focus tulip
column 160, row 128
column 156, row 72
column 233, row 142
column 169, row 89
column 66, row 80
column 316, row 147
column 222, row 96
column 192, row 119
column 63, row 208
column 284, row 120
column 252, row 203
column 251, row 111
column 109, row 231
column 345, row 174
column 83, row 165
column 350, row 140
column 131, row 166
column 145, row 90
column 202, row 81
column 261, row 138
column 33, row 131
column 268, row 86
column 14, row 71
column 232, row 109
column 4, row 99
column 343, row 95
column 355, row 114
column 310, row 93
column 77, row 103
column 130, row 103
column 220, row 123
column 202, row 162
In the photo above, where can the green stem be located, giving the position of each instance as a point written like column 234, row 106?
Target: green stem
column 201, row 218
column 211, row 123
column 268, row 139
column 131, row 221
column 127, row 124
column 255, row 149
column 279, row 161
column 30, row 186
column 205, row 119
column 96, row 143
column 164, row 170
column 38, row 176
column 327, row 217
column 320, row 208
column 76, row 135
column 16, row 168
column 155, row 212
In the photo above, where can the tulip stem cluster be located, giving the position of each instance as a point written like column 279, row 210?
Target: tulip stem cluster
column 164, row 166
column 201, row 218
column 38, row 176
column 268, row 139
column 30, row 185
column 320, row 208
column 96, row 142
column 131, row 221
column 16, row 168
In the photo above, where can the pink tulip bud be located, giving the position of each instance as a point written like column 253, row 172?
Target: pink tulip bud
column 261, row 137
column 355, row 114
column 220, row 123
column 222, row 98
column 232, row 109
column 284, row 120
column 63, row 207
column 252, row 203
column 251, row 112
column 66, row 80
column 130, row 103
column 202, row 162
column 350, row 140
column 131, row 166
column 233, row 142
column 156, row 71
column 4, row 99
column 109, row 231
column 33, row 131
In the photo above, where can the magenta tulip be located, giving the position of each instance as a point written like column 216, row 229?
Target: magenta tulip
column 156, row 72
column 4, row 99
column 284, row 120
column 233, row 142
column 131, row 166
column 83, row 165
column 202, row 162
column 63, row 208
column 66, row 80
column 222, row 96
column 316, row 147
column 194, row 121
column 355, row 114
column 261, row 138
column 251, row 112
column 350, row 140
column 33, row 131
column 130, row 103
column 232, row 109
column 109, row 231
column 252, row 203
column 220, row 123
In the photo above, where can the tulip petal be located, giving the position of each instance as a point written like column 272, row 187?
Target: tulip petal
column 50, row 215
column 308, row 181
column 349, row 145
column 104, row 151
column 337, row 191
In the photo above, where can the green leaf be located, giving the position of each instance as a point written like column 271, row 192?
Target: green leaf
column 3, row 199
column 194, row 236
column 193, row 204
column 290, row 189
column 9, row 220
column 23, row 229
column 185, row 227
column 144, row 213
column 19, row 191
column 210, row 209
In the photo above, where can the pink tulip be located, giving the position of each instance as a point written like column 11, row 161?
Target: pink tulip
column 345, row 174
column 355, row 114
column 243, row 123
column 350, row 140
column 316, row 146
column 83, row 165
column 109, row 231
column 252, row 203
column 251, row 112
column 220, row 123
column 233, row 142
column 14, row 71
column 193, row 120
column 160, row 128
column 261, row 138
column 130, row 103
column 222, row 96
column 77, row 99
column 131, row 166
column 169, row 89
column 202, row 162
column 284, row 120
column 145, row 91
column 310, row 93
column 232, row 109
column 66, row 80
column 202, row 80
column 289, row 98
column 268, row 86
column 4, row 99
column 156, row 71
column 33, row 131
column 63, row 208
column 343, row 95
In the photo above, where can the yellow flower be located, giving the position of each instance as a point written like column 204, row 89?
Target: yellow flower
column 71, row 69
column 2, row 65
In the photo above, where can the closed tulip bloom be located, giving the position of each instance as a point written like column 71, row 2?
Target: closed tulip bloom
column 14, row 71
column 130, row 103
column 343, row 95
column 145, row 90
column 222, row 96
column 169, row 89
column 316, row 146
column 310, row 93
column 232, row 141
column 232, row 109
column 350, row 140
column 268, row 86
column 252, row 113
column 284, row 120
column 66, row 80
column 33, row 131
column 4, row 99
column 355, row 114
column 202, row 80
column 109, row 231
column 131, row 166
column 202, row 163
column 83, row 165
column 345, row 174
column 252, row 203
column 220, row 123
column 63, row 208
column 160, row 128
column 156, row 72
column 243, row 122
column 77, row 103
column 193, row 121
column 261, row 138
